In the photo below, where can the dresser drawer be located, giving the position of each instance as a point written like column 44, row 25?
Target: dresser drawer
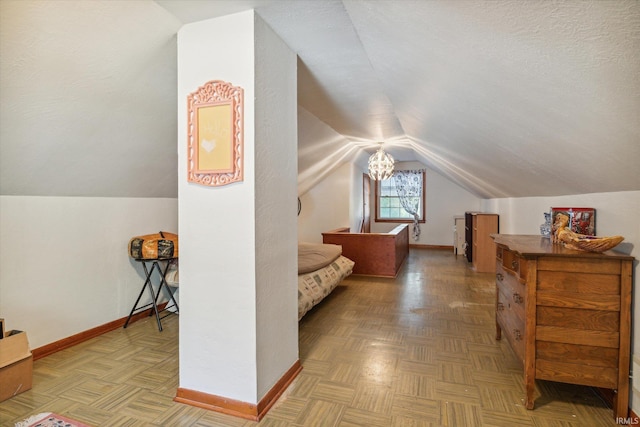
column 513, row 263
column 511, row 320
column 514, row 290
column 577, row 364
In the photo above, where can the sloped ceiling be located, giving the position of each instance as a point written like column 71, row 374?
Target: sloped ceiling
column 506, row 98
column 88, row 99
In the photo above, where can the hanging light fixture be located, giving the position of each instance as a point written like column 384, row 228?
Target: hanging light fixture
column 380, row 165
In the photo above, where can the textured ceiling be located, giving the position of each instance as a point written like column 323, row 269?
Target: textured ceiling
column 88, row 93
column 506, row 98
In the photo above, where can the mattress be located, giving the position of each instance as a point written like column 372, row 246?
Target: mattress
column 314, row 256
column 314, row 286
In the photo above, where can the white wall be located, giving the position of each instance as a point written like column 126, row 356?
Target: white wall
column 64, row 264
column 616, row 214
column 321, row 150
column 87, row 99
column 355, row 198
column 276, row 172
column 444, row 200
column 327, row 205
column 229, row 233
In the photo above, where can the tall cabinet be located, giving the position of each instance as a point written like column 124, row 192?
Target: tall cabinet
column 480, row 247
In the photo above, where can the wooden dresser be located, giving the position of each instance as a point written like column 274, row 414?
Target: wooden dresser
column 565, row 313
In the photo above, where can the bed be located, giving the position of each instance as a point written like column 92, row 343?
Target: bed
column 321, row 267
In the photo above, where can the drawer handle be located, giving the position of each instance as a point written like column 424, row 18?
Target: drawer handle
column 514, row 264
column 500, row 306
column 517, row 335
column 517, row 298
column 500, row 277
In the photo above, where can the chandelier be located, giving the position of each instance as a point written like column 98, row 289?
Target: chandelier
column 380, row 165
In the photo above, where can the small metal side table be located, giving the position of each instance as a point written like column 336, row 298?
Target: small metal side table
column 155, row 265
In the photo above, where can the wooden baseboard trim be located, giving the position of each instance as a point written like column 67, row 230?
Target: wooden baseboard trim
column 438, row 247
column 46, row 350
column 276, row 391
column 236, row 408
column 211, row 402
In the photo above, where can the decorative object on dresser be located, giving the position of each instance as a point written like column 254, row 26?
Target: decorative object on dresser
column 479, row 247
column 545, row 228
column 566, row 314
column 581, row 220
column 581, row 242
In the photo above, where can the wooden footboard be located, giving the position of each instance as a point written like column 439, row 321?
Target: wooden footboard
column 375, row 254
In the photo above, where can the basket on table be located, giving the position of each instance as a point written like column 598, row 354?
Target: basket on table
column 162, row 245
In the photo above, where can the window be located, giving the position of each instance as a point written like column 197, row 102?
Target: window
column 388, row 205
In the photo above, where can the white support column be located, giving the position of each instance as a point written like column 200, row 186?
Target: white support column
column 238, row 243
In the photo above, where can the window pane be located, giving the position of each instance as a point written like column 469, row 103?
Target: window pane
column 389, row 206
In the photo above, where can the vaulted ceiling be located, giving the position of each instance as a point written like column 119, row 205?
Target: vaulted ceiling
column 505, row 98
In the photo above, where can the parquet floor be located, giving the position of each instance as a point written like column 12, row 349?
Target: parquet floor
column 415, row 351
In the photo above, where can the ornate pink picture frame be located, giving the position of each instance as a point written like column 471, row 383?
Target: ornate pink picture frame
column 215, row 134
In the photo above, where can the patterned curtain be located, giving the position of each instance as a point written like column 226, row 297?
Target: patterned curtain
column 408, row 185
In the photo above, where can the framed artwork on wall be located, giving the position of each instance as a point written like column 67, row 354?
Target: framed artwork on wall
column 581, row 220
column 215, row 134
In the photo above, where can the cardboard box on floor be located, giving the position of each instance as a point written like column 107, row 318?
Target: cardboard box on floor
column 16, row 364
